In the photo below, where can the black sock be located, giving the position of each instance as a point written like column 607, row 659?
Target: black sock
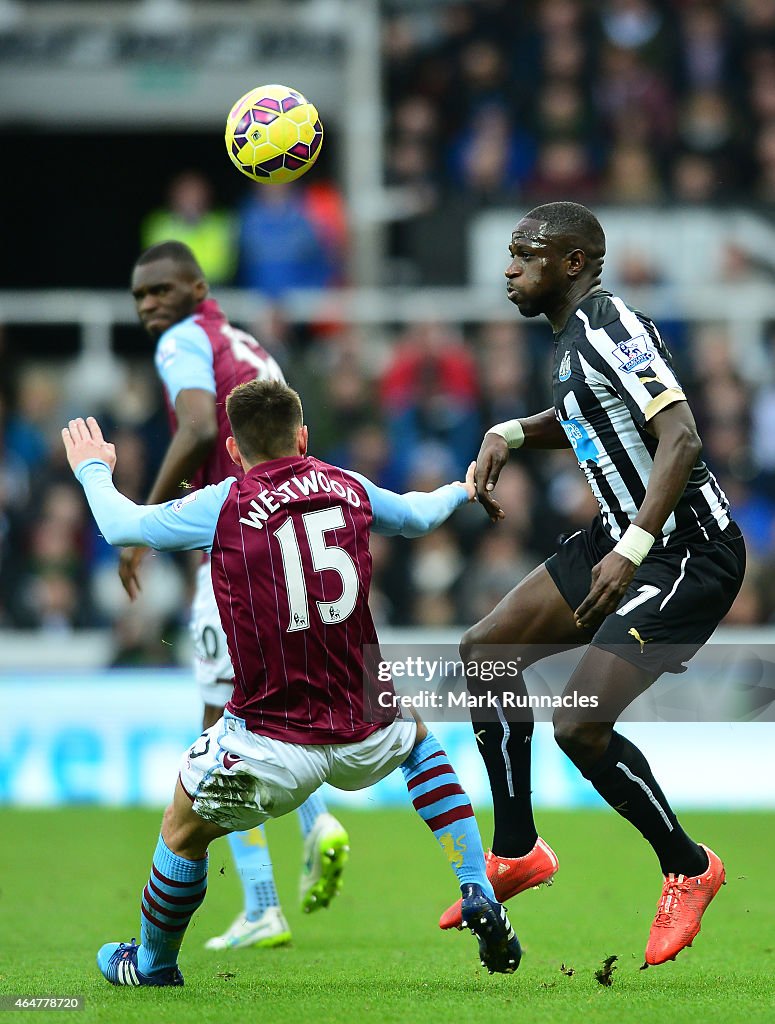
column 505, row 748
column 624, row 779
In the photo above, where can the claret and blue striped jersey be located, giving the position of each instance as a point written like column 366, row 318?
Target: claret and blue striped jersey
column 291, row 572
column 205, row 351
column 612, row 373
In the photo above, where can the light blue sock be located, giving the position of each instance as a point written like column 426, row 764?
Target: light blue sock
column 254, row 864
column 443, row 805
column 310, row 811
column 175, row 889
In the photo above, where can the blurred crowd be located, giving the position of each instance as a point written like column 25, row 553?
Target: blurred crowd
column 405, row 406
column 625, row 101
column 275, row 239
column 630, row 100
column 492, row 102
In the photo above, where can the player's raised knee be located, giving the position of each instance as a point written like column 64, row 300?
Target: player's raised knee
column 468, row 644
column 583, row 742
column 476, row 643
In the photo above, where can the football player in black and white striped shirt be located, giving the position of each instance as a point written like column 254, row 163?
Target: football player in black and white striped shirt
column 644, row 587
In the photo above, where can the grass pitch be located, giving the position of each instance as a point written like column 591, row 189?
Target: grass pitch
column 71, row 880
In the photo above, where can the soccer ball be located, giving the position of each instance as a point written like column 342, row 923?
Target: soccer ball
column 273, row 134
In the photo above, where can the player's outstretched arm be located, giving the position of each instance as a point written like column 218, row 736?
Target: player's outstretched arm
column 541, row 431
column 83, row 441
column 191, row 444
column 92, row 460
column 416, row 513
column 182, row 525
column 189, row 448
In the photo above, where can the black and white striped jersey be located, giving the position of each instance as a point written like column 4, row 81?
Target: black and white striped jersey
column 612, row 373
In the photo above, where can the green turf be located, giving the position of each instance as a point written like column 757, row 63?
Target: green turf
column 70, row 880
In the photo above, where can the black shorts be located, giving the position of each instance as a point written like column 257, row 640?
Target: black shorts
column 677, row 597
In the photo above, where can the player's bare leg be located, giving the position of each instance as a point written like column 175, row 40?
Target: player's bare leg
column 176, row 887
column 185, row 832
column 535, row 621
column 622, row 776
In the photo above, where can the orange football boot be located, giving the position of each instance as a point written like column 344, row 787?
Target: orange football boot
column 509, row 876
column 680, row 909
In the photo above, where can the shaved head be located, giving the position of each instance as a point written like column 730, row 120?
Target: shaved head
column 178, row 253
column 573, row 223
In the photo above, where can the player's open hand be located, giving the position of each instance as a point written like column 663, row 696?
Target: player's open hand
column 610, row 578
column 492, row 457
column 128, row 565
column 468, row 484
column 83, row 440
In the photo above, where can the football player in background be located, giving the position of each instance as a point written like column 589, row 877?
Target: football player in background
column 200, row 357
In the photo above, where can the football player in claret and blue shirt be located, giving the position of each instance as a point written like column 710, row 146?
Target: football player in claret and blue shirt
column 291, row 570
column 200, row 357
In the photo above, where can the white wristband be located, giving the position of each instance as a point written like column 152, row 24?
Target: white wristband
column 635, row 544
column 511, row 431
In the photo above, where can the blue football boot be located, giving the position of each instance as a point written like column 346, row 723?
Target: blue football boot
column 118, row 963
column 499, row 949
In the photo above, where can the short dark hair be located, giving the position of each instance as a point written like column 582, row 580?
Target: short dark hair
column 265, row 416
column 173, row 250
column 574, row 222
